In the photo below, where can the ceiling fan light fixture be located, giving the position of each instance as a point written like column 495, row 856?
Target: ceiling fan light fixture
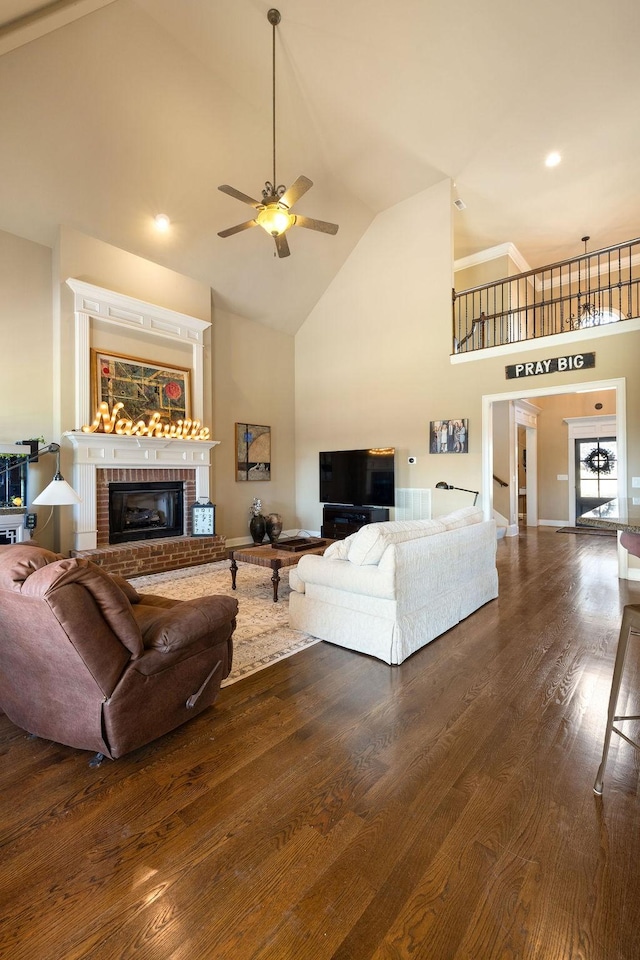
column 274, row 211
column 274, row 219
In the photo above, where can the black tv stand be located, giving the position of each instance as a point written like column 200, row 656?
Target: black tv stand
column 339, row 521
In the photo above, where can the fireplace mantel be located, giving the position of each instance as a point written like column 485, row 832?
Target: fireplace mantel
column 93, row 451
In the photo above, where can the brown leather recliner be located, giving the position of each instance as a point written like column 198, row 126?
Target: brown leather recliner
column 87, row 661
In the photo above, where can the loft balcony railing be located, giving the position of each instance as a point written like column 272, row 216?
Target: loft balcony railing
column 588, row 291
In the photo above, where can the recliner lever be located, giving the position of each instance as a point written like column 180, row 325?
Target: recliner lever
column 191, row 702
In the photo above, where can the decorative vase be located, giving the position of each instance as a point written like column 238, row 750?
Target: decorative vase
column 274, row 526
column 257, row 527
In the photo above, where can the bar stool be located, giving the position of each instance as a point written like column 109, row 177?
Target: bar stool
column 630, row 625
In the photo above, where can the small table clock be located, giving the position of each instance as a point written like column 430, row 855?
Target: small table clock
column 203, row 519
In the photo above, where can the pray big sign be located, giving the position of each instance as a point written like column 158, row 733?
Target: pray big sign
column 534, row 368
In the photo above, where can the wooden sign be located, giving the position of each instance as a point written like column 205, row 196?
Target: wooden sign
column 534, row 368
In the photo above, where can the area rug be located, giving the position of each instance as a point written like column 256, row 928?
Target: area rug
column 596, row 531
column 263, row 635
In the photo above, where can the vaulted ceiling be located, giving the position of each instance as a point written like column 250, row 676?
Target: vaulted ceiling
column 112, row 111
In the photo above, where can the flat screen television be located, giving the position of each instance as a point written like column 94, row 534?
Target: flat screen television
column 358, row 477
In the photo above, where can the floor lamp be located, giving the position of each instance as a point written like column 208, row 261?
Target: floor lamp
column 448, row 486
column 58, row 492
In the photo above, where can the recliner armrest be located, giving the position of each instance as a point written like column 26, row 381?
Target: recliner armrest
column 180, row 626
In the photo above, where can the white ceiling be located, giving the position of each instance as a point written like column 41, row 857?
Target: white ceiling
column 114, row 110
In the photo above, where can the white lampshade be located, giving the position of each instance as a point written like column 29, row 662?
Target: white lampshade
column 58, row 493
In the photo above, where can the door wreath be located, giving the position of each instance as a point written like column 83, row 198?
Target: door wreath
column 599, row 460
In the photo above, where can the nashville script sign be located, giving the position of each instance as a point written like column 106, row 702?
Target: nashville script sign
column 111, row 421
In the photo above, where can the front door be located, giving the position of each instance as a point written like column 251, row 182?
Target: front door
column 596, row 473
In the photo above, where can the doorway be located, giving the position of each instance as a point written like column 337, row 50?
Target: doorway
column 526, row 465
column 596, row 473
column 589, row 463
column 617, row 385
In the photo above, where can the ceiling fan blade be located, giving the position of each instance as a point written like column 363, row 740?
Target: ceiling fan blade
column 320, row 225
column 296, row 190
column 282, row 246
column 229, row 232
column 232, row 192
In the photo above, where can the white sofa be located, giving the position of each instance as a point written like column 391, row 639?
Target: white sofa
column 391, row 588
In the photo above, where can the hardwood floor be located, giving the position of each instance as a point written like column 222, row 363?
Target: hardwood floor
column 334, row 807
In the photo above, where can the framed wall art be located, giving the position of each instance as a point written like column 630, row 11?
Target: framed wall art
column 142, row 386
column 449, row 436
column 253, row 452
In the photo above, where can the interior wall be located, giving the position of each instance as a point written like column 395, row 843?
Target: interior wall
column 85, row 258
column 25, row 321
column 371, row 361
column 27, row 367
column 253, row 383
column 480, row 273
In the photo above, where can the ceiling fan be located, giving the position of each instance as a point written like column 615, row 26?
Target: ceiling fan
column 274, row 210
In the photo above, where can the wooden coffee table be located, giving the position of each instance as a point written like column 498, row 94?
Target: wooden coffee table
column 268, row 556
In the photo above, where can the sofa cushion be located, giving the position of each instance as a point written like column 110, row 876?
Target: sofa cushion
column 345, row 577
column 462, row 518
column 339, row 549
column 370, row 542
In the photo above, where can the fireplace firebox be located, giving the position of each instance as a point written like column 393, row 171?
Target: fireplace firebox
column 145, row 511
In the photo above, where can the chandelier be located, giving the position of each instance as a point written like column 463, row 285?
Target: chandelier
column 588, row 315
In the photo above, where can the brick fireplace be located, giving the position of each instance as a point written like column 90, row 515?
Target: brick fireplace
column 103, row 458
column 107, row 479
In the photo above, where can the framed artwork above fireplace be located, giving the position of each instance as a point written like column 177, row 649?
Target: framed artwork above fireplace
column 142, row 386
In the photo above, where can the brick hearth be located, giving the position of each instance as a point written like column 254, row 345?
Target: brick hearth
column 155, row 556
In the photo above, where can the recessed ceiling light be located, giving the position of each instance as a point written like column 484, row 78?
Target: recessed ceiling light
column 552, row 160
column 162, row 222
